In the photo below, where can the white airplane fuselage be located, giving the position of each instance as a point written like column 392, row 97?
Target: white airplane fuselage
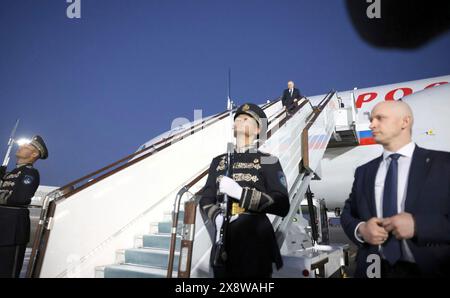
column 430, row 102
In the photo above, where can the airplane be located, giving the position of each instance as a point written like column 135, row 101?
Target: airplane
column 430, row 108
column 339, row 162
column 131, row 203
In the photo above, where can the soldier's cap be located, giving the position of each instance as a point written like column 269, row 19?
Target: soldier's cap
column 39, row 144
column 252, row 110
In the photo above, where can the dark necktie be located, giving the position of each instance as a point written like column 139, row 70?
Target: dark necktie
column 391, row 248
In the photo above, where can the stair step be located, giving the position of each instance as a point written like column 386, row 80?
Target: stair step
column 168, row 216
column 159, row 241
column 165, row 227
column 150, row 257
column 133, row 271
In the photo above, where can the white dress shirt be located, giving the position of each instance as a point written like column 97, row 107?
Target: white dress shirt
column 404, row 163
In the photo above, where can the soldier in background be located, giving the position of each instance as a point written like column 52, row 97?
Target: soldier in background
column 256, row 186
column 16, row 190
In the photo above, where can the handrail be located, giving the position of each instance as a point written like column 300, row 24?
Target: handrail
column 304, row 167
column 151, row 148
column 285, row 119
column 186, row 188
column 173, row 236
column 43, row 223
column 298, row 185
column 176, row 137
column 326, row 99
column 305, row 135
column 310, row 119
column 64, row 192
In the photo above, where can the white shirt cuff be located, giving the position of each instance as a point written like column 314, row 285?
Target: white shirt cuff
column 358, row 235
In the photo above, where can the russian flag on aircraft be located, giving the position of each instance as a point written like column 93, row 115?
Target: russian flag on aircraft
column 366, row 137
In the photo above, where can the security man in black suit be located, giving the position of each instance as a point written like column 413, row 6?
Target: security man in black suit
column 398, row 209
column 291, row 96
column 16, row 190
column 256, row 186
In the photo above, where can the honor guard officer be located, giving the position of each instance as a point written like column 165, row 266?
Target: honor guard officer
column 16, row 190
column 257, row 187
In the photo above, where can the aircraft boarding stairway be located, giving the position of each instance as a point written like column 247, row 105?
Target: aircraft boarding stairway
column 345, row 134
column 117, row 221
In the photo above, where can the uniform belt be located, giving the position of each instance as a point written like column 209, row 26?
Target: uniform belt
column 236, row 209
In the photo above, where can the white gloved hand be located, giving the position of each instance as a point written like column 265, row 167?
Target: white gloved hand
column 230, row 187
column 219, row 223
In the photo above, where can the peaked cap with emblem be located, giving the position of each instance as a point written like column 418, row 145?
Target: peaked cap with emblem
column 252, row 110
column 39, row 144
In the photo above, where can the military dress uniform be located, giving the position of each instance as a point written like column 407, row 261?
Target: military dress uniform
column 250, row 241
column 16, row 190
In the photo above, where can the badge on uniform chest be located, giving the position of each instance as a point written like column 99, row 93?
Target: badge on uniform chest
column 28, row 179
column 242, row 170
column 238, row 177
column 239, row 165
column 13, row 176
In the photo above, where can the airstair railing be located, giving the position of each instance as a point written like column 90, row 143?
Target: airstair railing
column 150, row 150
column 305, row 132
column 299, row 185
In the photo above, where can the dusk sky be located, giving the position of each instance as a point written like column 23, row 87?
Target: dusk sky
column 98, row 87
